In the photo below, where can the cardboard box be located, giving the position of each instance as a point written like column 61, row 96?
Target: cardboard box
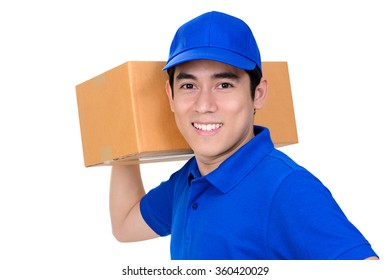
column 125, row 116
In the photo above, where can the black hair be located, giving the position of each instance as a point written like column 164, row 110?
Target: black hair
column 255, row 76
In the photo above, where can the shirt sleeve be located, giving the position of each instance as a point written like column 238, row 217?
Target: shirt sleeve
column 306, row 223
column 156, row 209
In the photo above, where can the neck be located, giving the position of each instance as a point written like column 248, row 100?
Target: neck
column 207, row 164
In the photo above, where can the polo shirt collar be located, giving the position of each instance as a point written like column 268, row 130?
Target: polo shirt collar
column 238, row 165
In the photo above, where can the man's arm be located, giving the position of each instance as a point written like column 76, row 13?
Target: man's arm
column 126, row 191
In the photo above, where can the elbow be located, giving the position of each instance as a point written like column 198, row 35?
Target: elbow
column 120, row 236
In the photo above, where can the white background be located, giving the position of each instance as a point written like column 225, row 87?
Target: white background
column 54, row 214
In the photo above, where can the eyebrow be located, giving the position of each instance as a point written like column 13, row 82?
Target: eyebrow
column 227, row 75
column 183, row 76
column 224, row 75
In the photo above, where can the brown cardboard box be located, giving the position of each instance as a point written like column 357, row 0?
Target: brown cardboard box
column 125, row 115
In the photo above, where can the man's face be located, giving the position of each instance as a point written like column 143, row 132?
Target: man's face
column 213, row 109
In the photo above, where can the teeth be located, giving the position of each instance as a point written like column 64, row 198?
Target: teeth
column 207, row 127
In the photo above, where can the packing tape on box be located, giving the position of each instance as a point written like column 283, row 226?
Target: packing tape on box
column 105, row 154
column 99, row 80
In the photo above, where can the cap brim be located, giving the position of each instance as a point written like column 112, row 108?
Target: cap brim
column 211, row 53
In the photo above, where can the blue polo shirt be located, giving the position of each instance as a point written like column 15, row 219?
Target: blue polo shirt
column 258, row 204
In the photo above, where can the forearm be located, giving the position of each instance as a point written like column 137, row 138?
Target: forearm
column 126, row 190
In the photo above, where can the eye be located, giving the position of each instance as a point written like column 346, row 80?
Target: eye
column 187, row 86
column 225, row 85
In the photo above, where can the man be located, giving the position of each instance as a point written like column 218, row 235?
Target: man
column 238, row 197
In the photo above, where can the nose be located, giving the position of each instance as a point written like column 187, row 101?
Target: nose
column 205, row 102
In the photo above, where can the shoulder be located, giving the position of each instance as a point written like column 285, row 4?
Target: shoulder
column 293, row 182
column 284, row 160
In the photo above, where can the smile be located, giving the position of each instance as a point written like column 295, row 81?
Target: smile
column 207, row 127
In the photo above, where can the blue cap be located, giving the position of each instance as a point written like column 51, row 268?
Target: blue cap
column 215, row 36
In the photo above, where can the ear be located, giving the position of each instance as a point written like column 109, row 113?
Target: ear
column 168, row 91
column 261, row 93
